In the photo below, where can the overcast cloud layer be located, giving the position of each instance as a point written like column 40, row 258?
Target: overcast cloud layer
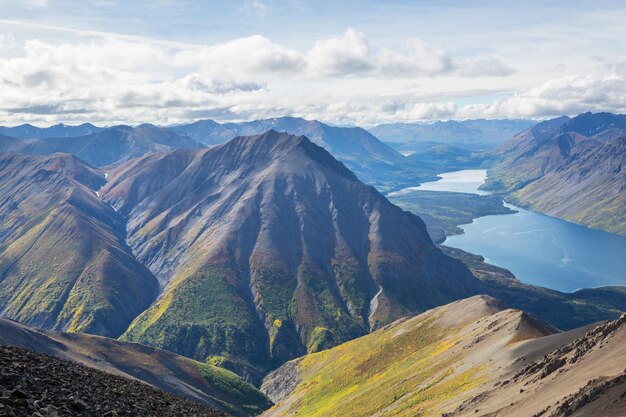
column 107, row 65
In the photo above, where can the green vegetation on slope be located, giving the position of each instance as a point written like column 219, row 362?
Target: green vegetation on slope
column 202, row 316
column 63, row 262
column 231, row 389
column 394, row 372
column 568, row 168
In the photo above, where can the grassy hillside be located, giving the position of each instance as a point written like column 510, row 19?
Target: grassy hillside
column 422, row 366
column 469, row 358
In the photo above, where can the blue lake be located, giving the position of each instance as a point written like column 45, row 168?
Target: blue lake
column 538, row 249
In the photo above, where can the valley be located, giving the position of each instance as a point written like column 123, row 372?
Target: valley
column 355, row 208
column 538, row 249
column 244, row 259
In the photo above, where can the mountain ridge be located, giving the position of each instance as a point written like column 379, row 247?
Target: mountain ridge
column 470, row 357
column 571, row 168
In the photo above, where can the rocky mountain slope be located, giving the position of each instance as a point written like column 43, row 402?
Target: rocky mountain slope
column 204, row 384
column 268, row 248
column 108, row 146
column 370, row 159
column 33, row 384
column 568, row 168
column 471, row 357
column 64, row 263
column 583, row 377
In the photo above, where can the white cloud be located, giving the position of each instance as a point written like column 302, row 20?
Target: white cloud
column 423, row 58
column 352, row 55
column 347, row 55
column 486, row 67
column 599, row 91
column 343, row 79
column 253, row 55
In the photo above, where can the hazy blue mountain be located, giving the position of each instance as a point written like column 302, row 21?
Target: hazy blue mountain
column 442, row 158
column 478, row 133
column 109, row 146
column 207, row 132
column 28, row 131
column 373, row 161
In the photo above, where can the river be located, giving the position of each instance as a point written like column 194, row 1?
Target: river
column 538, row 249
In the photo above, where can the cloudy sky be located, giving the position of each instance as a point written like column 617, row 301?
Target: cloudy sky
column 344, row 62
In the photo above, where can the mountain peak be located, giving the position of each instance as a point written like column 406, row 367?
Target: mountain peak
column 293, row 151
column 295, row 253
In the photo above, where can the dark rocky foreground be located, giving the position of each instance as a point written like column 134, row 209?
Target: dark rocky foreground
column 33, row 384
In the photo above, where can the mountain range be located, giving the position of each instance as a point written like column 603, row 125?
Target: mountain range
column 28, row 131
column 268, row 254
column 572, row 168
column 371, row 160
column 476, row 134
column 108, row 146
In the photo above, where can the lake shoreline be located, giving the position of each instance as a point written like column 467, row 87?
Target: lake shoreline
column 538, row 249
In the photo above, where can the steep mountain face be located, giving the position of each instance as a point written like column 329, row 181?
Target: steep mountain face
column 568, row 168
column 469, row 358
column 204, row 384
column 112, row 145
column 27, row 131
column 371, row 160
column 479, row 133
column 63, row 261
column 268, row 248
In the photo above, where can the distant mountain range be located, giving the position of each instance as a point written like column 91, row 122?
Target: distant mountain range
column 373, row 161
column 475, row 134
column 108, row 146
column 572, row 168
column 27, row 131
column 473, row 357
